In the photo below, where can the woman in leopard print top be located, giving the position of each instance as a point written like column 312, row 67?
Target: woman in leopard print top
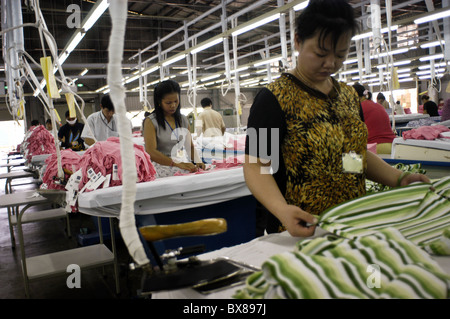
column 308, row 121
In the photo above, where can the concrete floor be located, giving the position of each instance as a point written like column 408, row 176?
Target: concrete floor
column 51, row 236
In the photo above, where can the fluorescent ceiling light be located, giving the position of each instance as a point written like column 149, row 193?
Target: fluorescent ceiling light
column 428, row 66
column 240, row 69
column 301, row 6
column 432, row 44
column 404, row 50
column 101, row 89
column 350, row 61
column 84, row 72
column 207, row 45
column 429, row 71
column 153, row 69
column 398, row 63
column 207, row 78
column 349, row 72
column 256, row 24
column 370, row 34
column 406, row 80
column 173, row 60
column 433, row 17
column 73, row 44
column 96, row 14
column 432, row 57
column 429, row 76
column 269, row 61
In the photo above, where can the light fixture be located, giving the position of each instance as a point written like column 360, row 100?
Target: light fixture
column 432, row 17
column 84, row 72
column 76, row 39
column 100, row 8
column 256, row 24
column 151, row 70
column 350, row 61
column 370, row 34
column 398, row 63
column 399, row 51
column 406, row 80
column 207, row 45
column 432, row 44
column 239, row 69
column 210, row 77
column 173, row 60
column 268, row 61
column 301, row 6
column 432, row 57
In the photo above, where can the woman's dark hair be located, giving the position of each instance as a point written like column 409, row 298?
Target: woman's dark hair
column 162, row 89
column 431, row 108
column 360, row 89
column 329, row 18
column 381, row 97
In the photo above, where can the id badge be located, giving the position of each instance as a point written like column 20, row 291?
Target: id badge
column 352, row 163
column 180, row 153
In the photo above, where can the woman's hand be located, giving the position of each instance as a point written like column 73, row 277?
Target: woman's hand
column 200, row 165
column 187, row 166
column 297, row 222
column 412, row 178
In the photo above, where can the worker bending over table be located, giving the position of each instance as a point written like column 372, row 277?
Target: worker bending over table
column 313, row 128
column 166, row 133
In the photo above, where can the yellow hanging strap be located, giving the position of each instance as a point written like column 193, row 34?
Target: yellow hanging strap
column 47, row 70
column 71, row 104
column 395, row 82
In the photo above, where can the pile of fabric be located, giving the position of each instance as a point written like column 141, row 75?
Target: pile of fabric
column 102, row 157
column 38, row 141
column 70, row 162
column 426, row 132
column 379, row 246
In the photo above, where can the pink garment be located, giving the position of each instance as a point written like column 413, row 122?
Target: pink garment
column 39, row 141
column 103, row 154
column 420, row 109
column 407, row 110
column 372, row 147
column 237, row 142
column 426, row 133
column 229, row 162
column 70, row 161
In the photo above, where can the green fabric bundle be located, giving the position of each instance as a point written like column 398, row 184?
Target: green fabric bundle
column 378, row 248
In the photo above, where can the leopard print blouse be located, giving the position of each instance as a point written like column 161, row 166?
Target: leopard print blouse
column 319, row 129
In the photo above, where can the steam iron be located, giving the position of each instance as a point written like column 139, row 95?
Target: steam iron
column 176, row 272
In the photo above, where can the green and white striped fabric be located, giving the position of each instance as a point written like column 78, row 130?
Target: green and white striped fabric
column 421, row 212
column 380, row 265
column 392, row 231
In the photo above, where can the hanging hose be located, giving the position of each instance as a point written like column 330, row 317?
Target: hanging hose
column 127, row 224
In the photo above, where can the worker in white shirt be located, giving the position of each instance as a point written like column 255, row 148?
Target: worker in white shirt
column 102, row 123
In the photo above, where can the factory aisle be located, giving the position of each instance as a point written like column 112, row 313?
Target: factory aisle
column 51, row 236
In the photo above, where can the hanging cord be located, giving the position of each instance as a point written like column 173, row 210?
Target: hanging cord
column 127, row 223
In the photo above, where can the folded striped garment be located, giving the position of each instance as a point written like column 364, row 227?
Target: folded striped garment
column 392, row 232
column 383, row 265
column 421, row 212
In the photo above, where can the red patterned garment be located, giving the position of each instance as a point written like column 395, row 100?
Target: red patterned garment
column 70, row 162
column 104, row 154
column 426, row 133
column 38, row 141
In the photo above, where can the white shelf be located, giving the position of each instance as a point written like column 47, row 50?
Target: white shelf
column 56, row 263
column 30, row 217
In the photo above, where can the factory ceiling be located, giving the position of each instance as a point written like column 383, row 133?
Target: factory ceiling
column 156, row 30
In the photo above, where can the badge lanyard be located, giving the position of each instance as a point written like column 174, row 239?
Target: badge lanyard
column 180, row 152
